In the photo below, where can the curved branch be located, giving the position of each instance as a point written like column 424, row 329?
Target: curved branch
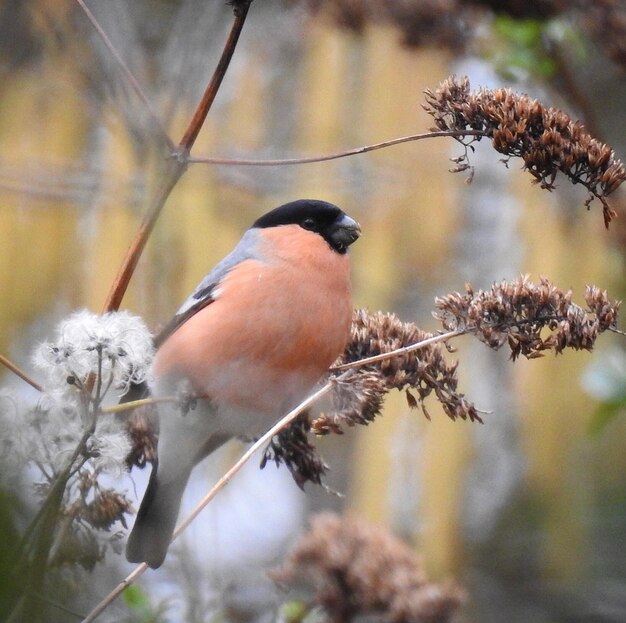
column 335, row 156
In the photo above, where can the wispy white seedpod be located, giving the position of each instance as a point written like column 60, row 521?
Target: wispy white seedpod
column 110, row 446
column 115, row 348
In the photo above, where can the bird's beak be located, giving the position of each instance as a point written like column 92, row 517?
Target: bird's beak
column 345, row 231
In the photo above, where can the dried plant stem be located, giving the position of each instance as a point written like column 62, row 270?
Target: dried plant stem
column 221, row 483
column 133, row 404
column 341, row 154
column 442, row 337
column 7, row 363
column 189, row 138
column 176, row 166
column 128, row 75
column 127, row 269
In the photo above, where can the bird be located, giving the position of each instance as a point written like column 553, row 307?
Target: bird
column 251, row 342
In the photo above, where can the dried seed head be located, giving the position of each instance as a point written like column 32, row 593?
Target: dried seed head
column 107, row 508
column 546, row 139
column 292, row 447
column 357, row 568
column 358, row 399
column 529, row 318
column 142, row 427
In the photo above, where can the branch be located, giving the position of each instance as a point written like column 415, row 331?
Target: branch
column 399, row 351
column 221, row 483
column 240, row 10
column 11, row 366
column 335, row 156
column 175, row 166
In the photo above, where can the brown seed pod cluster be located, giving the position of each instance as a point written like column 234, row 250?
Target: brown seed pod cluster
column 292, row 447
column 529, row 318
column 545, row 138
column 356, row 568
column 107, row 508
column 142, row 427
column 358, row 398
column 89, row 514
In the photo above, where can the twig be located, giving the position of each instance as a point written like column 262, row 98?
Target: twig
column 442, row 337
column 221, row 483
column 134, row 404
column 175, row 168
column 335, row 156
column 128, row 74
column 11, row 366
column 189, row 138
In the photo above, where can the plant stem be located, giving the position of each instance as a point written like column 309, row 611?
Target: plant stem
column 11, row 366
column 189, row 138
column 442, row 337
column 176, row 167
column 341, row 154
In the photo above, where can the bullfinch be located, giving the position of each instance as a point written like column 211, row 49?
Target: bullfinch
column 251, row 342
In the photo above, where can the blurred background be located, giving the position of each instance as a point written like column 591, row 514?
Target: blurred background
column 528, row 510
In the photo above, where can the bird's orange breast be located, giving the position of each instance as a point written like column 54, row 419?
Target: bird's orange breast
column 276, row 325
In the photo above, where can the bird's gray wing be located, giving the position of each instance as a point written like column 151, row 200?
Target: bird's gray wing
column 205, row 292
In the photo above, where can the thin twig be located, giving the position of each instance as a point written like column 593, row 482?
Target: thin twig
column 134, row 404
column 189, row 138
column 11, row 366
column 341, row 154
column 128, row 74
column 175, row 169
column 221, row 483
column 442, row 337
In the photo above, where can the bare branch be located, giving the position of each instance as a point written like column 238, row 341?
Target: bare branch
column 240, row 10
column 335, row 156
column 11, row 366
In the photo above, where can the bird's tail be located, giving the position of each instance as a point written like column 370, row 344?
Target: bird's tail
column 152, row 533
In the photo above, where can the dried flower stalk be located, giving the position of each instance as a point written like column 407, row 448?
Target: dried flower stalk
column 546, row 139
column 528, row 318
column 357, row 568
column 358, row 399
column 520, row 312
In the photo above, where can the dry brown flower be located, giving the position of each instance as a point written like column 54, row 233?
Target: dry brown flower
column 293, row 447
column 107, row 507
column 142, row 428
column 529, row 318
column 358, row 399
column 357, row 568
column 546, row 139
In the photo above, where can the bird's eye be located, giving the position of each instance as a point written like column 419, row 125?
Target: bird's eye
column 308, row 223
